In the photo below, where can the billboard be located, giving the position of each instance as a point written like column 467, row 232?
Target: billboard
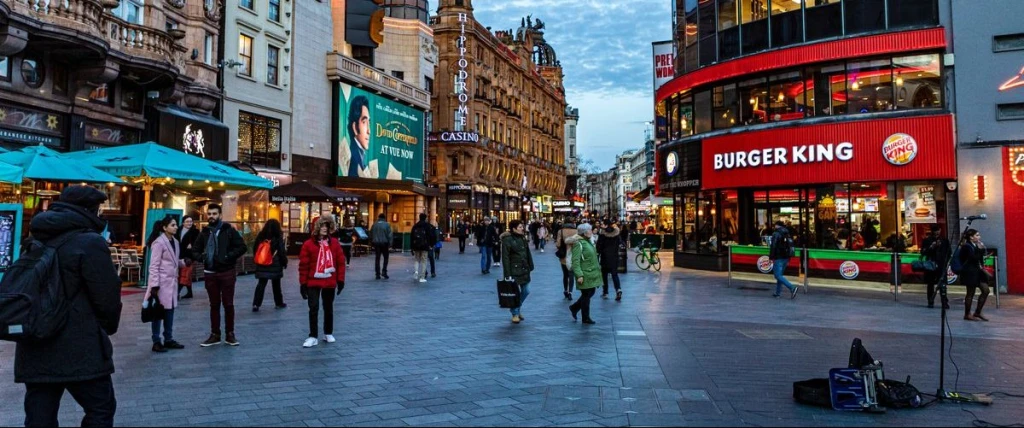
column 378, row 138
column 664, row 63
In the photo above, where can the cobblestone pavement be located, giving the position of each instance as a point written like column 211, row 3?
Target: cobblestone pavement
column 683, row 348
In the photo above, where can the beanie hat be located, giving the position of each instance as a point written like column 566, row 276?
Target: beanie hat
column 87, row 197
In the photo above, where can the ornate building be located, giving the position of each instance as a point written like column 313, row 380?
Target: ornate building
column 499, row 106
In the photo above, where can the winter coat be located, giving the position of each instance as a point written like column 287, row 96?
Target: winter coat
column 82, row 351
column 488, row 236
column 584, row 262
column 164, row 263
column 307, row 264
column 230, row 246
column 429, row 231
column 380, row 234
column 567, row 231
column 516, row 260
column 280, row 260
column 188, row 241
column 775, row 252
column 462, row 230
column 608, row 248
column 971, row 258
column 938, row 254
column 346, row 236
column 542, row 233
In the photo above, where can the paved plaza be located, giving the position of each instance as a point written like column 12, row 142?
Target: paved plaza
column 683, row 348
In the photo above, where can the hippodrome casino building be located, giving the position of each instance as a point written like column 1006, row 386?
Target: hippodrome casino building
column 839, row 115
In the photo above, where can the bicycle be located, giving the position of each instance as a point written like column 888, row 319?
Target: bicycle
column 647, row 257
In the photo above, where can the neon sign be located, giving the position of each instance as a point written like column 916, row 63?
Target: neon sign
column 1015, row 81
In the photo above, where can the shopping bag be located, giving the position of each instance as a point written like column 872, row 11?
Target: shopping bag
column 508, row 294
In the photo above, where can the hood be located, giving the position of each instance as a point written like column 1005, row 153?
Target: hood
column 572, row 240
column 505, row 235
column 568, row 225
column 63, row 217
column 613, row 234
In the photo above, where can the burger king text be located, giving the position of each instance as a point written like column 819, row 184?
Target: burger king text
column 809, row 153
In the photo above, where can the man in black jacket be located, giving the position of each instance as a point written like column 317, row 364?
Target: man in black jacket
column 937, row 249
column 462, row 232
column 424, row 237
column 80, row 358
column 219, row 247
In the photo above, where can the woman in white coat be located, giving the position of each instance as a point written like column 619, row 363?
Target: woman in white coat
column 164, row 263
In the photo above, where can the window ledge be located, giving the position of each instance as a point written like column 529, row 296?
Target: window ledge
column 252, row 11
column 245, row 77
column 271, row 85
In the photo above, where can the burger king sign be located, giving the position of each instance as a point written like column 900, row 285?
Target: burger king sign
column 849, row 270
column 899, row 149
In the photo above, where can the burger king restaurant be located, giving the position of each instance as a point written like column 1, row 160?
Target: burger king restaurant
column 854, row 194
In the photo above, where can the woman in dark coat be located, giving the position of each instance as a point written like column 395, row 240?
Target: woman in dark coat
column 274, row 271
column 517, row 262
column 973, row 275
column 608, row 253
column 187, row 236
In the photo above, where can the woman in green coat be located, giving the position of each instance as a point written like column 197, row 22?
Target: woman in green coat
column 586, row 268
column 517, row 262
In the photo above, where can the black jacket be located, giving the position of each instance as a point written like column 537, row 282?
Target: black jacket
column 230, row 246
column 276, row 269
column 186, row 240
column 936, row 249
column 82, row 351
column 346, row 236
column 462, row 230
column 431, row 233
column 971, row 258
column 608, row 248
column 775, row 252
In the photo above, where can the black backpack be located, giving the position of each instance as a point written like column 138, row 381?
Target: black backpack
column 420, row 242
column 786, row 247
column 34, row 305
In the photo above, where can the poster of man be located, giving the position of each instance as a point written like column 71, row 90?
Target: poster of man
column 378, row 138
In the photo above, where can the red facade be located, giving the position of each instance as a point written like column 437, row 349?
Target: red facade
column 1013, row 206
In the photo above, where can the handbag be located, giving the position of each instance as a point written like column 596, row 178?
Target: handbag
column 509, row 294
column 152, row 310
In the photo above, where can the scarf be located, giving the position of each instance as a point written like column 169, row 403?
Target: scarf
column 324, row 261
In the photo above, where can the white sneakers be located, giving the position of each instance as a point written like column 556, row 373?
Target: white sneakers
column 422, row 280
column 329, row 338
column 310, row 342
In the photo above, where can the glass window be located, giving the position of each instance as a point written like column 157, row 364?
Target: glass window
column 400, row 75
column 708, row 49
column 274, row 11
column 169, row 25
column 726, row 110
column 130, row 11
column 248, row 4
column 918, row 81
column 755, row 26
column 690, row 26
column 727, row 16
column 60, row 79
column 702, row 112
column 913, row 13
column 32, row 72
column 753, row 98
column 273, row 54
column 787, row 23
column 707, row 24
column 208, row 49
column 871, row 86
column 5, row 68
column 864, row 16
column 245, row 54
column 824, row 19
column 103, row 94
column 786, row 97
column 131, row 97
column 690, row 59
column 826, row 90
column 729, row 43
column 259, row 140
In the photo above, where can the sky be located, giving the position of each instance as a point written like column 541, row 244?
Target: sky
column 605, row 50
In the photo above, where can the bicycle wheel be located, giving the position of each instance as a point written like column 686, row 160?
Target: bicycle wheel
column 642, row 261
column 656, row 262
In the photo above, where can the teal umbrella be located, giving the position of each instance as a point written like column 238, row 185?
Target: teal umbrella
column 42, row 164
column 11, row 173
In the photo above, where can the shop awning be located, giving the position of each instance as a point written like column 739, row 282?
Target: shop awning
column 304, row 191
column 43, row 164
column 169, row 166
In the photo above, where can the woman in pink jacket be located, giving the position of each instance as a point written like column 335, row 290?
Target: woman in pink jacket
column 163, row 278
column 321, row 277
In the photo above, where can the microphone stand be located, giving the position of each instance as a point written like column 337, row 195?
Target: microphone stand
column 942, row 394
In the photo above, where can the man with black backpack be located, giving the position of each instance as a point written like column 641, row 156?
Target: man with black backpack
column 782, row 249
column 65, row 344
column 424, row 237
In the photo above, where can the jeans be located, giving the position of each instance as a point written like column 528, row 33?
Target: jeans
column 462, row 244
column 542, row 242
column 583, row 303
column 42, row 402
column 615, row 279
column 347, row 249
column 420, row 263
column 568, row 279
column 221, row 288
column 314, row 297
column 168, row 322
column 261, row 288
column 382, row 250
column 431, row 255
column 524, row 290
column 780, row 279
column 485, row 258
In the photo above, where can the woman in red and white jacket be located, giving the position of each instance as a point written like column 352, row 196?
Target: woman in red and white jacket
column 321, row 276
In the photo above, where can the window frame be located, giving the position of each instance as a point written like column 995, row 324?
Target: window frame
column 274, row 68
column 274, row 10
column 247, row 69
column 251, row 7
column 270, row 159
column 5, row 68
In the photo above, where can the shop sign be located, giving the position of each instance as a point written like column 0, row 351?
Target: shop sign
column 807, row 153
column 899, row 149
column 109, row 135
column 579, row 205
column 672, row 163
column 31, row 120
column 920, row 202
column 849, row 270
column 461, row 90
column 277, row 179
column 27, row 138
column 827, row 208
column 458, row 202
column 558, row 204
column 765, row 264
column 192, row 141
column 454, row 137
column 378, row 138
column 283, row 199
column 497, row 203
column 459, row 188
column 1016, row 164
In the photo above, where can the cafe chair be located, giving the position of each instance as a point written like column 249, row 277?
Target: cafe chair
column 130, row 262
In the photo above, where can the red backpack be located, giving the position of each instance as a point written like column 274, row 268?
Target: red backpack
column 264, row 257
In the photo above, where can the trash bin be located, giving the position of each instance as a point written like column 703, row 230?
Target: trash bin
column 623, row 257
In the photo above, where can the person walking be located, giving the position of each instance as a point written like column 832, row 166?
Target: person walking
column 542, row 236
column 973, row 274
column 534, row 225
column 274, row 237
column 608, row 251
column 462, row 232
column 517, row 263
column 424, row 236
column 496, row 247
column 321, row 277
column 188, row 235
column 220, row 247
column 780, row 252
column 79, row 358
column 586, row 270
column 562, row 250
column 487, row 238
column 434, row 254
column 380, row 236
column 162, row 278
column 936, row 248
column 347, row 238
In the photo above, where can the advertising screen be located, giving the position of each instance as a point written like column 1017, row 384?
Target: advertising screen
column 378, row 138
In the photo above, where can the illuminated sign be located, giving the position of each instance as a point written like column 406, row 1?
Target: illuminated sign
column 455, row 137
column 1014, row 82
column 809, row 153
column 899, row 149
column 192, row 142
column 462, row 113
column 672, row 163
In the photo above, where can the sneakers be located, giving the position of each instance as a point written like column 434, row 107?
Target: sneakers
column 378, row 277
column 515, row 319
column 329, row 338
column 385, row 276
column 433, row 275
column 522, row 318
column 589, row 322
column 618, row 296
column 255, row 308
column 604, row 295
column 159, row 348
column 542, row 250
column 422, row 280
column 173, row 345
column 568, row 295
column 310, row 342
column 231, row 340
column 792, row 293
column 213, row 340
column 283, row 305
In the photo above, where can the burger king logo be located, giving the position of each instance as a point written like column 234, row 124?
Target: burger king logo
column 849, row 270
column 765, row 264
column 899, row 149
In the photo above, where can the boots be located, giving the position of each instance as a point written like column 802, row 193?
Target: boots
column 187, row 296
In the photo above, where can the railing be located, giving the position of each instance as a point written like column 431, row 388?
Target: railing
column 339, row 66
column 83, row 15
column 139, row 40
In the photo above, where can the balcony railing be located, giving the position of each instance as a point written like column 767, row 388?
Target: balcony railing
column 342, row 67
column 140, row 40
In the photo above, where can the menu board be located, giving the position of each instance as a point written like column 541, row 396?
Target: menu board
column 842, row 205
column 920, row 202
column 7, row 239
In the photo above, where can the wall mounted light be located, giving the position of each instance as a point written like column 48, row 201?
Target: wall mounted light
column 979, row 188
column 394, row 217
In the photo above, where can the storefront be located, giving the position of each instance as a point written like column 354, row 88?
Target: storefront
column 458, row 204
column 870, row 185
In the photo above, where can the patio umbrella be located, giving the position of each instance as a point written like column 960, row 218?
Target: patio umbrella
column 11, row 173
column 148, row 164
column 43, row 164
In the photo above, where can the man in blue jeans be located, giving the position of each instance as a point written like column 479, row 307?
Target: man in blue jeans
column 780, row 252
column 487, row 238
